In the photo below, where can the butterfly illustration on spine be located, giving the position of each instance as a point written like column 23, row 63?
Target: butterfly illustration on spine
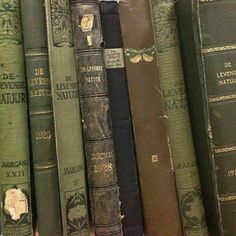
column 140, row 55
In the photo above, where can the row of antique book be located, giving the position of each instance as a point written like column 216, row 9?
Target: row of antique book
column 131, row 105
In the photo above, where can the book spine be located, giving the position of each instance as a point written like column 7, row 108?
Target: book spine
column 214, row 44
column 67, row 119
column 14, row 154
column 41, row 118
column 179, row 127
column 121, row 120
column 99, row 147
column 157, row 185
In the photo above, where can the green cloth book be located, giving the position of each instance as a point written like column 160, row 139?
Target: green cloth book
column 41, row 118
column 67, row 119
column 208, row 43
column 179, row 128
column 14, row 150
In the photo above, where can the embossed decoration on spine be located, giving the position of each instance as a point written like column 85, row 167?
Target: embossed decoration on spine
column 140, row 55
column 165, row 25
column 61, row 23
column 76, row 202
column 14, row 156
column 176, row 107
column 10, row 21
column 67, row 119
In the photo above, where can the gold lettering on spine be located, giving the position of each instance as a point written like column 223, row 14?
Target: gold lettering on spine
column 223, row 77
column 85, row 69
column 105, row 167
column 94, row 79
column 43, row 135
column 101, row 155
column 102, row 167
column 225, row 74
column 38, row 71
column 40, row 93
column 39, row 81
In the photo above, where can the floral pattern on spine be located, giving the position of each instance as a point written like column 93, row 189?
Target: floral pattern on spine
column 76, row 210
column 10, row 23
column 189, row 205
column 165, row 24
column 61, row 23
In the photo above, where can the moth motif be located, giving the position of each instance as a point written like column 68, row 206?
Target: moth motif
column 140, row 55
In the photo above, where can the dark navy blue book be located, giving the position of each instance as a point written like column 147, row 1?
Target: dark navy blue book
column 121, row 120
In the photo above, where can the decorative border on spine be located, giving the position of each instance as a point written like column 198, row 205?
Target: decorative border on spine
column 35, row 54
column 227, row 198
column 41, row 112
column 219, row 49
column 222, row 98
column 218, row 150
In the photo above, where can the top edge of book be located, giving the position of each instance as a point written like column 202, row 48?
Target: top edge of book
column 109, row 1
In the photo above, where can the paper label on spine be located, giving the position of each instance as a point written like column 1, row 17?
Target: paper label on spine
column 87, row 22
column 114, row 58
column 16, row 203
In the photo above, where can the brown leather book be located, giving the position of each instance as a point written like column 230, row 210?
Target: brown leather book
column 160, row 207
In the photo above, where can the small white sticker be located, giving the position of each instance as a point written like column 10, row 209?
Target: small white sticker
column 155, row 158
column 114, row 58
column 16, row 203
column 87, row 22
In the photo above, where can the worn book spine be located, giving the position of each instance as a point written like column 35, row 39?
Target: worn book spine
column 99, row 146
column 157, row 185
column 41, row 118
column 67, row 119
column 14, row 155
column 179, row 127
column 211, row 69
column 121, row 120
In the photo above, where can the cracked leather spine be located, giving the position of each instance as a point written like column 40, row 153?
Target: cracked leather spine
column 41, row 118
column 98, row 139
column 157, row 184
column 209, row 56
column 14, row 155
column 121, row 120
column 67, row 119
column 179, row 127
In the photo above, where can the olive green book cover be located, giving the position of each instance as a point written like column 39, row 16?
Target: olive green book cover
column 179, row 128
column 67, row 118
column 41, row 118
column 14, row 150
column 208, row 43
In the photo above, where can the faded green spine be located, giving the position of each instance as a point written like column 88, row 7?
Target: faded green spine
column 67, row 118
column 14, row 150
column 176, row 107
